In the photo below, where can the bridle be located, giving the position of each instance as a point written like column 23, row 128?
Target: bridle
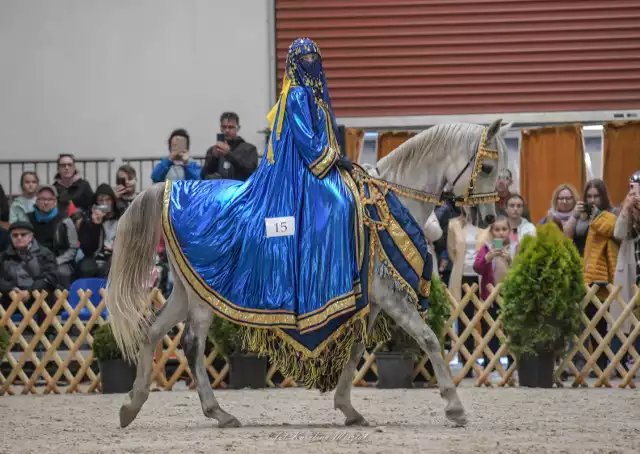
column 471, row 198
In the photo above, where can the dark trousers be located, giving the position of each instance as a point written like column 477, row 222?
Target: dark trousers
column 601, row 328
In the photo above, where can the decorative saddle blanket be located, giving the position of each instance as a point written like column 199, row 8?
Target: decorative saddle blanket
column 310, row 342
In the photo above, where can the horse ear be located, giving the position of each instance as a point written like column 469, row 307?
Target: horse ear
column 503, row 130
column 494, row 129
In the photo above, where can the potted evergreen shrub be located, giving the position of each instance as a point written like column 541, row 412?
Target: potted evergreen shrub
column 542, row 294
column 5, row 338
column 396, row 361
column 116, row 374
column 246, row 369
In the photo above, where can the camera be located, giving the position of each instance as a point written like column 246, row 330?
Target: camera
column 588, row 209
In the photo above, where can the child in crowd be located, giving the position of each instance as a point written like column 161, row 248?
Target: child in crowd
column 24, row 203
column 492, row 264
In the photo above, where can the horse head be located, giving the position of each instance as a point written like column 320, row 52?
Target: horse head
column 472, row 172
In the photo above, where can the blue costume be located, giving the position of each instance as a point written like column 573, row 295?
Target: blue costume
column 306, row 287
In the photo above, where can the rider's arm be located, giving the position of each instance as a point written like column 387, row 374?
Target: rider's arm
column 312, row 145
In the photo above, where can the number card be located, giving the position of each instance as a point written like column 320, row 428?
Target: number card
column 285, row 226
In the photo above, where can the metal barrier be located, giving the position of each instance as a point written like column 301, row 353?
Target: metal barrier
column 95, row 171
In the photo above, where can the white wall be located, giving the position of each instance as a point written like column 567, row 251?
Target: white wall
column 113, row 78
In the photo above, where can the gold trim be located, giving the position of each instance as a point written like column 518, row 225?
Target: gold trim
column 425, row 287
column 359, row 219
column 323, row 155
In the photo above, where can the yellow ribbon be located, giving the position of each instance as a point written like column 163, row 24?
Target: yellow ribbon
column 280, row 106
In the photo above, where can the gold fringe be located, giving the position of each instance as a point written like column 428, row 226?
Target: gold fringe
column 322, row 372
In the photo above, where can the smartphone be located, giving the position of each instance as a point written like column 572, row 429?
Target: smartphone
column 104, row 208
column 498, row 243
column 181, row 142
column 120, row 181
column 220, row 137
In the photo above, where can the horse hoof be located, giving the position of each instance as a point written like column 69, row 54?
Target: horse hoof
column 229, row 422
column 357, row 421
column 456, row 414
column 127, row 415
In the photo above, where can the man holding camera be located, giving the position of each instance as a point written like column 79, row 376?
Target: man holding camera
column 177, row 166
column 230, row 158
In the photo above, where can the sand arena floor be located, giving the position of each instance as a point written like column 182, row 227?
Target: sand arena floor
column 512, row 420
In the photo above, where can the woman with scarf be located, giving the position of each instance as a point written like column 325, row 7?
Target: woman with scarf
column 53, row 229
column 563, row 202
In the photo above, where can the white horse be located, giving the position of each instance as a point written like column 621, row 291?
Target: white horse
column 450, row 156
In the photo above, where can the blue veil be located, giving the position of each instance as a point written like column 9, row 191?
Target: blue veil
column 301, row 73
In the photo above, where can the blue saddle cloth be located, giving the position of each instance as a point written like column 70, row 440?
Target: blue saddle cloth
column 382, row 228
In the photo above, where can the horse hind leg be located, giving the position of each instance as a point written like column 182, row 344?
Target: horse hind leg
column 193, row 343
column 342, row 396
column 173, row 311
column 408, row 318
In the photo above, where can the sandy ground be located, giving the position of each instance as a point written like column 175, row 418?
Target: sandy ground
column 514, row 420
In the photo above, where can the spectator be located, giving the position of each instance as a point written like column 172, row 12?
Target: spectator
column 232, row 159
column 463, row 241
column 577, row 227
column 23, row 204
column 54, row 230
column 26, row 266
column 5, row 239
column 627, row 231
column 177, row 166
column 97, row 232
column 4, row 209
column 70, row 185
column 503, row 183
column 563, row 202
column 600, row 250
column 125, row 187
column 492, row 264
column 432, row 233
column 518, row 225
column 444, row 214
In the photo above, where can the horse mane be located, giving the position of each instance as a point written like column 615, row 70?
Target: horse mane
column 429, row 142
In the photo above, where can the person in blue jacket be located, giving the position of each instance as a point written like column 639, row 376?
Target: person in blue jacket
column 177, row 166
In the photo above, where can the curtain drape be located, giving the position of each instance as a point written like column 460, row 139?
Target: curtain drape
column 621, row 157
column 550, row 156
column 390, row 140
column 355, row 137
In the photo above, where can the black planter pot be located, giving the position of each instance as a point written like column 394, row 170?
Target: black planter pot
column 247, row 370
column 536, row 371
column 395, row 370
column 117, row 376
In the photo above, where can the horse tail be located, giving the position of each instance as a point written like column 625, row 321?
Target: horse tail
column 132, row 263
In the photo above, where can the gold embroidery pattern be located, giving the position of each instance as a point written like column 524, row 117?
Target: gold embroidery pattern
column 425, row 287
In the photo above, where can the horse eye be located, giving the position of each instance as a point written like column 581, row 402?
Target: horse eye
column 486, row 168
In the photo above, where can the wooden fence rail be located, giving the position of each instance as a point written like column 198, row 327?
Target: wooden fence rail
column 50, row 347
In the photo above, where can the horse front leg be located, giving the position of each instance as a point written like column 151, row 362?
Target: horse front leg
column 407, row 317
column 342, row 396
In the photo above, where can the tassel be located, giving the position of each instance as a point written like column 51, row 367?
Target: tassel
column 277, row 112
